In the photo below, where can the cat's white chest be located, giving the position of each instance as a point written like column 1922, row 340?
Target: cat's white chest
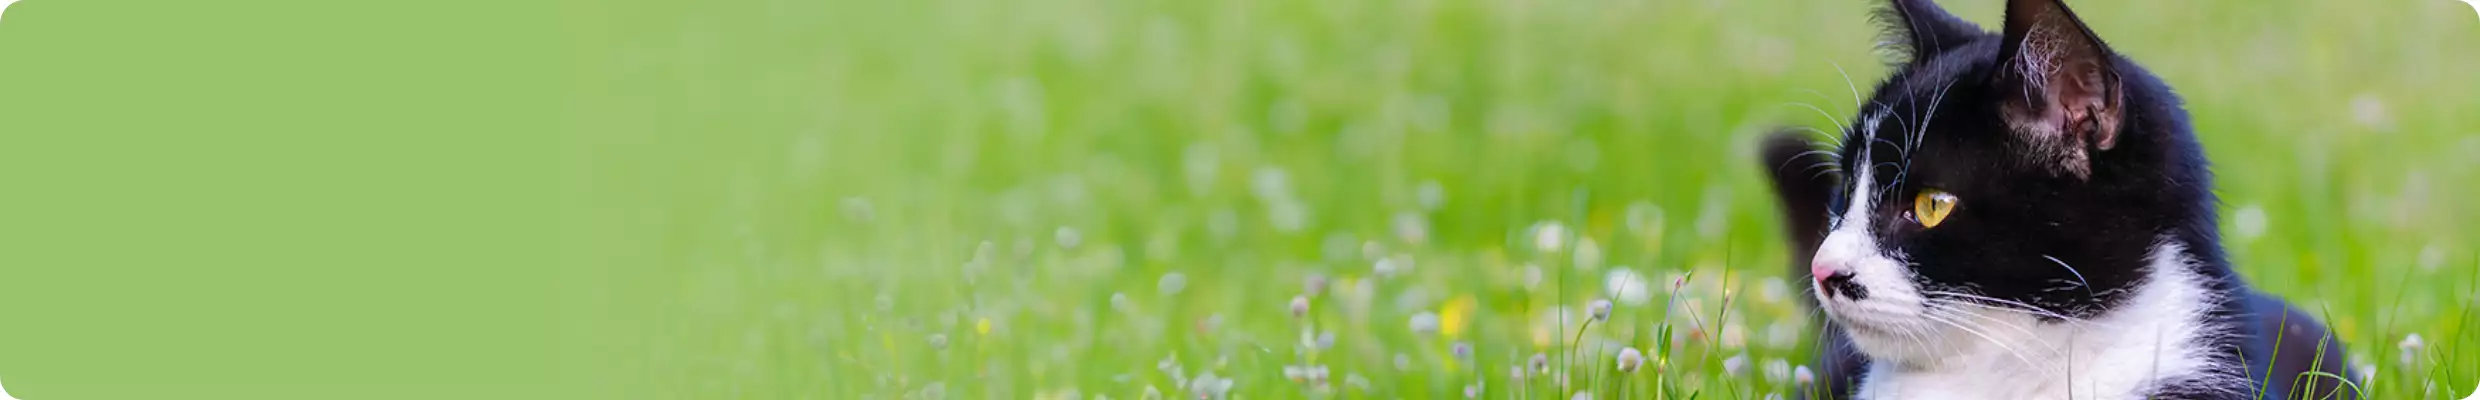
column 2155, row 339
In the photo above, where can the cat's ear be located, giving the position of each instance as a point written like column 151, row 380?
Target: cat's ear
column 2056, row 86
column 1804, row 183
column 1917, row 30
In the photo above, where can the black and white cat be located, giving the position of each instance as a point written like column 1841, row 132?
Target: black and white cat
column 2025, row 215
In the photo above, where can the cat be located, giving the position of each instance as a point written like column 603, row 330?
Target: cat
column 2025, row 214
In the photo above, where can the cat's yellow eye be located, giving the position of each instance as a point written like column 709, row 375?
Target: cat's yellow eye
column 1931, row 207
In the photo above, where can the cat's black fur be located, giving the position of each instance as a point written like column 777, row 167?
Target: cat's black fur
column 2096, row 195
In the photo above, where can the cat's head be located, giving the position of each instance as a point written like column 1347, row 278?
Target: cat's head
column 2030, row 170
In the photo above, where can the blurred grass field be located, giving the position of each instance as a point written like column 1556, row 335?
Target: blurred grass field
column 1111, row 198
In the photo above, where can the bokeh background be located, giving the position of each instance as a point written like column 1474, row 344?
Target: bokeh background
column 1081, row 199
column 1122, row 199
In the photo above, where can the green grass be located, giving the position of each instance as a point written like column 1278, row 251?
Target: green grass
column 1021, row 178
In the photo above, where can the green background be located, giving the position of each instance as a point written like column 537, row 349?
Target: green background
column 299, row 199
column 792, row 199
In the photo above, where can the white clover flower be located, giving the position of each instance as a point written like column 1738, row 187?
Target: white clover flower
column 1540, row 363
column 1599, row 309
column 2410, row 346
column 2249, row 223
column 1425, row 323
column 1431, row 195
column 1172, row 283
column 1314, row 284
column 1777, row 370
column 1630, row 359
column 1119, row 301
column 1385, row 268
column 1628, row 286
column 1067, row 237
column 1735, row 365
column 1411, row 227
column 938, row 341
column 1802, row 376
column 1472, row 391
column 1462, row 350
column 1549, row 237
column 1208, row 386
column 1300, row 306
column 1326, row 340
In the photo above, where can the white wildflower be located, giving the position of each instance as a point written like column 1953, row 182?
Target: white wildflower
column 2410, row 346
column 1425, row 323
column 1300, row 306
column 1802, row 376
column 2249, row 222
column 1599, row 309
column 1735, row 365
column 1411, row 227
column 1067, row 237
column 1549, row 237
column 1431, row 195
column 1588, row 253
column 1172, row 283
column 1630, row 359
column 1628, row 286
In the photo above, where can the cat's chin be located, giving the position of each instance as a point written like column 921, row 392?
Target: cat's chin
column 1899, row 339
column 1885, row 343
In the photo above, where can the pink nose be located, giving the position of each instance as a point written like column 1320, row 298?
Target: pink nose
column 1818, row 271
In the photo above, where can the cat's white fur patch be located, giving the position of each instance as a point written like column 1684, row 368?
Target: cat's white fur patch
column 2156, row 337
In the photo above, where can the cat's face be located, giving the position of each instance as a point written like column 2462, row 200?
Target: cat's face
column 1994, row 176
